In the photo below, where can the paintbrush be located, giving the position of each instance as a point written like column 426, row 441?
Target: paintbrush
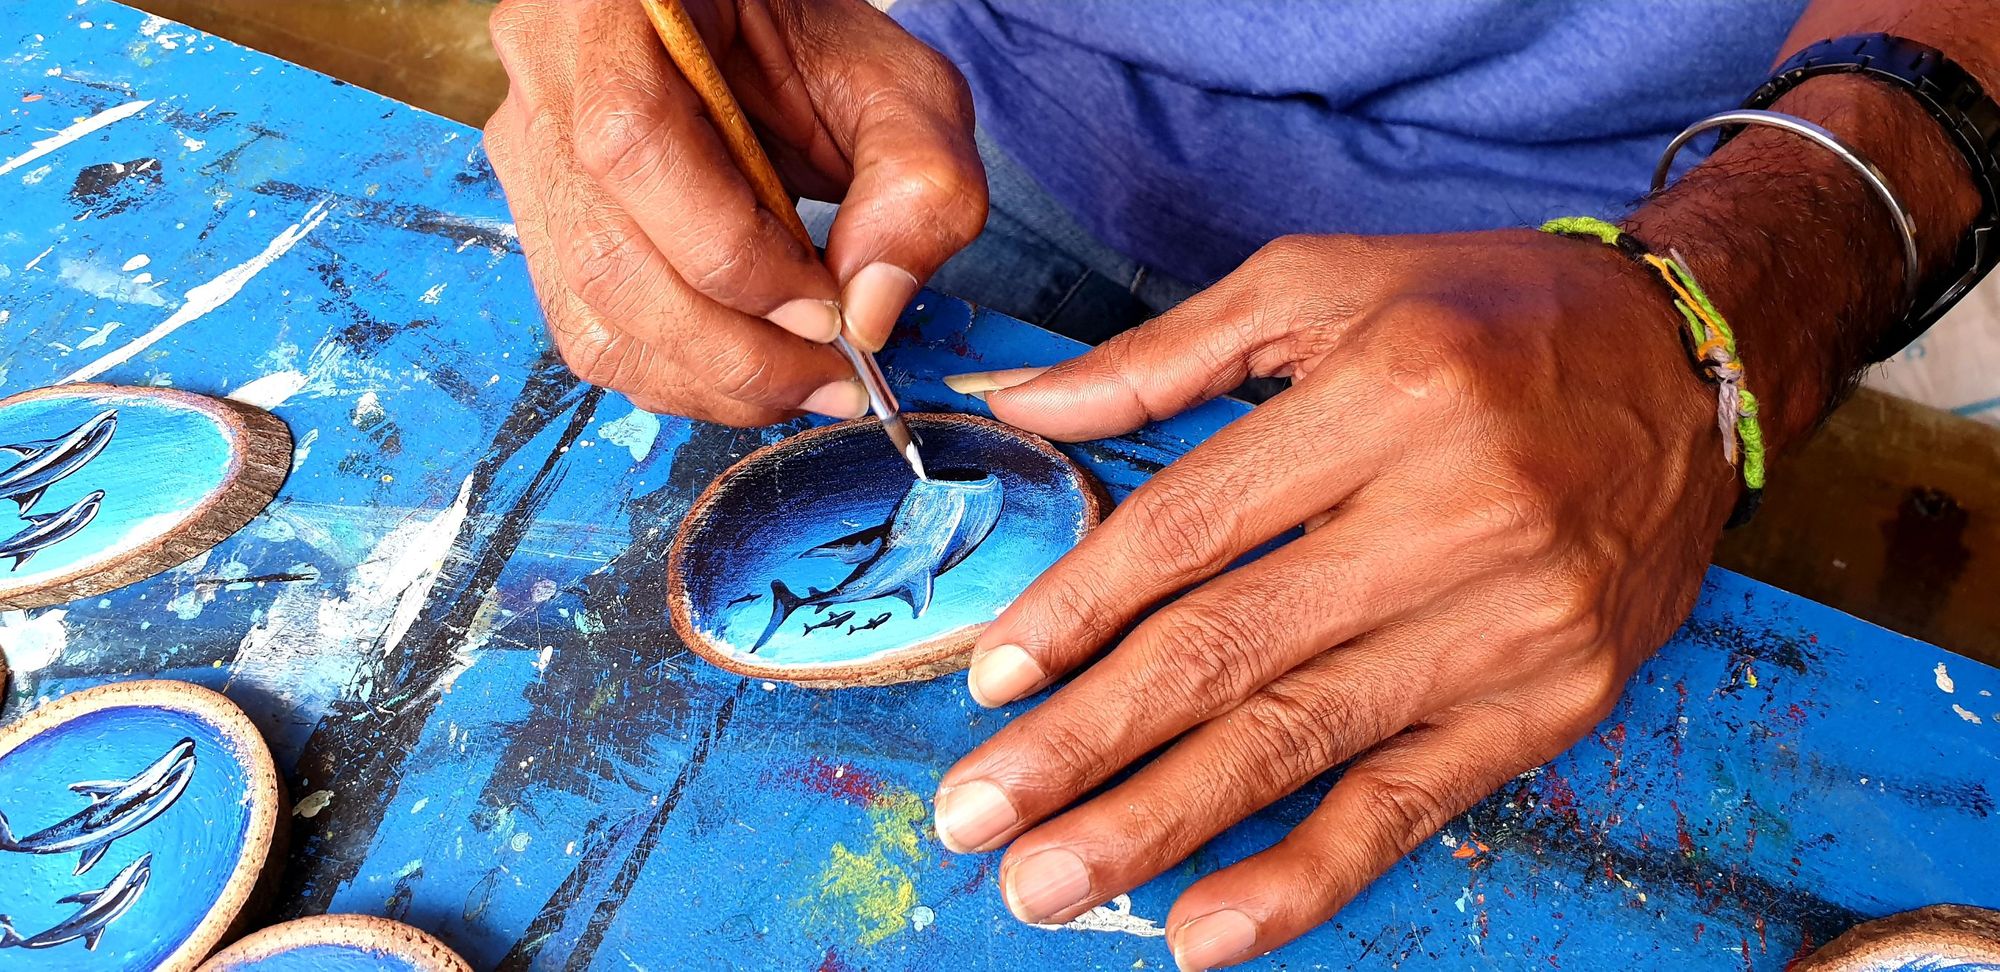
column 690, row 54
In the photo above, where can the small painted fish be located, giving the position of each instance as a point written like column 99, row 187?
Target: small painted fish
column 872, row 623
column 118, row 808
column 100, row 908
column 45, row 530
column 49, row 461
column 837, row 619
column 934, row 527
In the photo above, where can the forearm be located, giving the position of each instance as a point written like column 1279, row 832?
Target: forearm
column 1796, row 250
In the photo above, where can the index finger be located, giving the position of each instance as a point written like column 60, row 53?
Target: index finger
column 1181, row 527
column 644, row 134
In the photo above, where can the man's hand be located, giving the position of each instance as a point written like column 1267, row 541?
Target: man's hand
column 659, row 274
column 1511, row 481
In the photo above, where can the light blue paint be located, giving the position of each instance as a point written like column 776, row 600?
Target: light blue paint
column 329, row 958
column 636, row 432
column 194, row 842
column 163, row 460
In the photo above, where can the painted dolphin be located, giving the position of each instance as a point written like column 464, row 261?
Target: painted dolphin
column 49, row 461
column 117, row 809
column 100, row 908
column 834, row 620
column 45, row 530
column 937, row 524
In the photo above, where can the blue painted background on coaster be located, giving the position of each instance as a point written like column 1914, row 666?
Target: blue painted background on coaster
column 450, row 624
column 328, row 958
column 195, row 842
column 162, row 462
column 760, row 526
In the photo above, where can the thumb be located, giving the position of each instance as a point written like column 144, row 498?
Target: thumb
column 1159, row 369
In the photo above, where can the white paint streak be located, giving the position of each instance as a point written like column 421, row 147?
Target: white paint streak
column 1944, row 681
column 270, row 391
column 208, row 296
column 136, row 262
column 96, row 338
column 72, row 133
column 1112, row 916
column 309, row 643
column 33, row 640
column 1965, row 713
column 431, row 296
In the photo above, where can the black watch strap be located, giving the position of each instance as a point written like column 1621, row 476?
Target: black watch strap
column 1952, row 96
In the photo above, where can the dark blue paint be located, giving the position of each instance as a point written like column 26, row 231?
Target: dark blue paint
column 523, row 761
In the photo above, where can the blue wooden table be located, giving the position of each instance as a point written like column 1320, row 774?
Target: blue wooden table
column 449, row 624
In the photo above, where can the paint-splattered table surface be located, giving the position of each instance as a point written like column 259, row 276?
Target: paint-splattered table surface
column 449, row 624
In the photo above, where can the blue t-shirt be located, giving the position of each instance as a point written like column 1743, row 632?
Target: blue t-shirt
column 1186, row 133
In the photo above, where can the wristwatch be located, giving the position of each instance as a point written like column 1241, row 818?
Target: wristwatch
column 1954, row 98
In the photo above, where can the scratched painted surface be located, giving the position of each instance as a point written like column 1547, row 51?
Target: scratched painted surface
column 175, row 789
column 449, row 624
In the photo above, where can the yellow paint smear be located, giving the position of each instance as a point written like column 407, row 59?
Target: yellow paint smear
column 871, row 893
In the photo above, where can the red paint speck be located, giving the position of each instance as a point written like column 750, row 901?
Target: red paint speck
column 833, row 963
column 841, row 781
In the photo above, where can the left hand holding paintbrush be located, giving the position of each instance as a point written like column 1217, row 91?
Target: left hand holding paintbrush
column 660, row 274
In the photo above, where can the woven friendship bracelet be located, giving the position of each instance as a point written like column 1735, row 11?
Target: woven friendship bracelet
column 1713, row 345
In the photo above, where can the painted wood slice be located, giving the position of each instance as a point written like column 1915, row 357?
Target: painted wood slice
column 138, row 818
column 1940, row 938
column 102, row 485
column 822, row 559
column 338, row 943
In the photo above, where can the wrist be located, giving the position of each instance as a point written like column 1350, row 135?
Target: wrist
column 1799, row 254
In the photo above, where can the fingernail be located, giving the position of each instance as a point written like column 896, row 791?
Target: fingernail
column 1046, row 884
column 843, row 399
column 971, row 815
column 1213, row 939
column 979, row 384
column 875, row 297
column 1001, row 675
column 814, row 320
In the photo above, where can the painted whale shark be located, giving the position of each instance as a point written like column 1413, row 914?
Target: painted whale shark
column 45, row 530
column 46, row 462
column 934, row 527
column 100, row 908
column 118, row 808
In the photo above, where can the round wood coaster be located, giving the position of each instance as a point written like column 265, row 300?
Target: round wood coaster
column 103, row 485
column 1940, row 938
column 138, row 819
column 338, row 943
column 822, row 559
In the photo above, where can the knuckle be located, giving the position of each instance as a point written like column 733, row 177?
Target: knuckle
column 602, row 268
column 615, row 134
column 1403, row 810
column 1290, row 738
column 723, row 264
column 735, row 373
column 1181, row 528
column 511, row 19
column 1065, row 759
column 1206, row 655
column 1295, row 251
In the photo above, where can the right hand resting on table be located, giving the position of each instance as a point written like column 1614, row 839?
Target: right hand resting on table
column 659, row 274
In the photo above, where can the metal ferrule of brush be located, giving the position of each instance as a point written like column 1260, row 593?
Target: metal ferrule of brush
column 882, row 402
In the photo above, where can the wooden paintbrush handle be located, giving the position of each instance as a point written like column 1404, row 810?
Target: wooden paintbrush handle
column 690, row 53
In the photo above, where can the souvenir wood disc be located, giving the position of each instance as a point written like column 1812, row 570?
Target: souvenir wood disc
column 103, row 485
column 1940, row 938
column 823, row 560
column 338, row 943
column 135, row 819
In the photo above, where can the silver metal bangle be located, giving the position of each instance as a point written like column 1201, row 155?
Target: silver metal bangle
column 1899, row 214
